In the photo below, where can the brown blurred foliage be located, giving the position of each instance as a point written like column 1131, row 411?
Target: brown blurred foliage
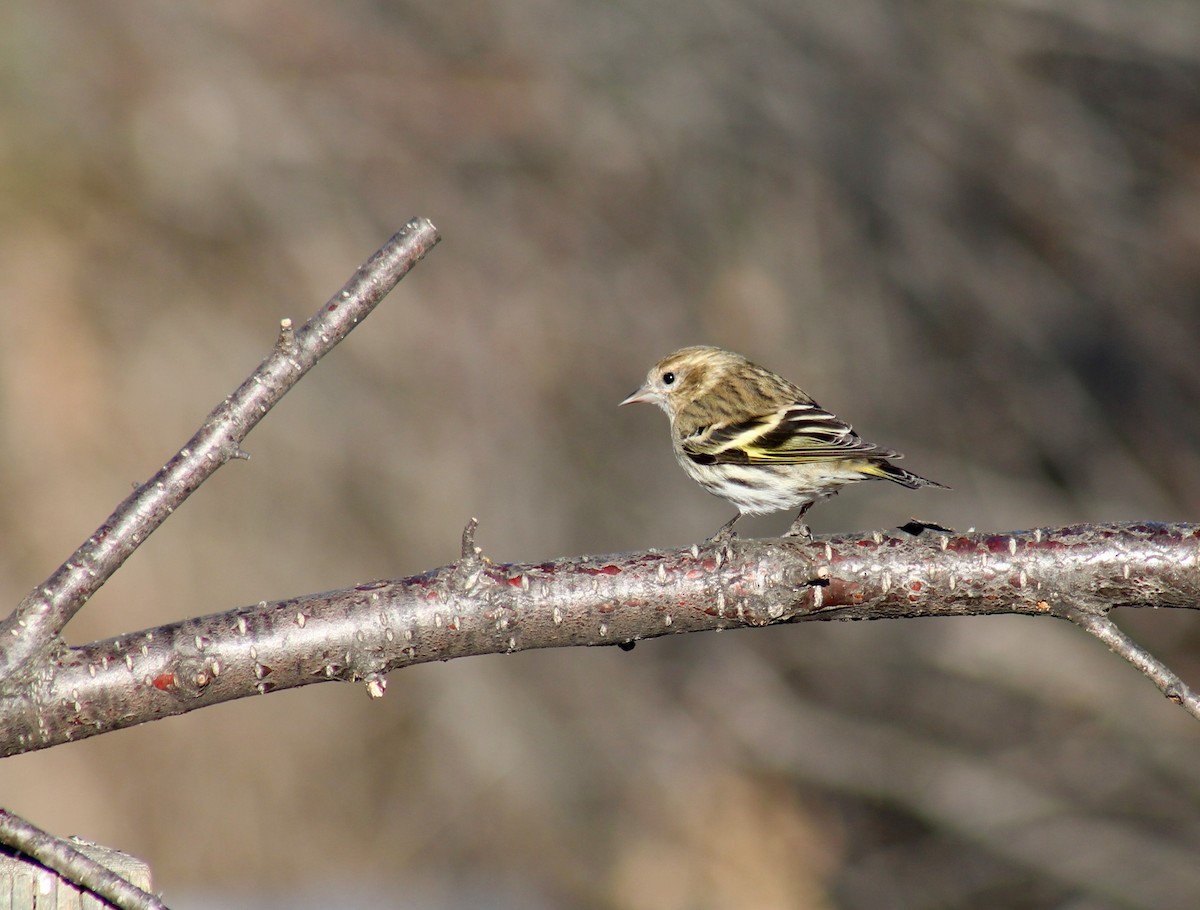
column 971, row 228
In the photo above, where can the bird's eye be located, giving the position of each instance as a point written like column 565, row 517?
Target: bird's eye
column 668, row 378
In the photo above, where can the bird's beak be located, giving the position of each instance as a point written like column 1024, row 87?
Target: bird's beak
column 643, row 394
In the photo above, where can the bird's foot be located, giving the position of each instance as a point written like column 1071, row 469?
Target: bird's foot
column 725, row 533
column 798, row 527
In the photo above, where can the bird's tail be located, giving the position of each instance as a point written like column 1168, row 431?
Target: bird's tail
column 889, row 471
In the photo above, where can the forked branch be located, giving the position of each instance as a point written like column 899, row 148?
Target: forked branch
column 34, row 628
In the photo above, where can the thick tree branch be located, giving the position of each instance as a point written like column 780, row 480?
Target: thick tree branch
column 33, row 629
column 476, row 607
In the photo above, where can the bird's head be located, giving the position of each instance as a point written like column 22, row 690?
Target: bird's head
column 680, row 378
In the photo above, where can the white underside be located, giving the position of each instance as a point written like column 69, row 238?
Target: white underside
column 757, row 490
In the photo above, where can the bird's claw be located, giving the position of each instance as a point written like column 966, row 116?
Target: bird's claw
column 725, row 534
column 799, row 529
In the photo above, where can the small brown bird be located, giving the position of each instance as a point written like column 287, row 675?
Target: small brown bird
column 751, row 437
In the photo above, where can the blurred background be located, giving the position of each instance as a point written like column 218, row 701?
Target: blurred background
column 971, row 228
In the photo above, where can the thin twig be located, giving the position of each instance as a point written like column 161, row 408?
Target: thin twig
column 1167, row 680
column 34, row 627
column 64, row 859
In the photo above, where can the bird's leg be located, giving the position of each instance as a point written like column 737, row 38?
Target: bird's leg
column 725, row 533
column 799, row 528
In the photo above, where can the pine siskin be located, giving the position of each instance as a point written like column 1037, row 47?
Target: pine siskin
column 751, row 437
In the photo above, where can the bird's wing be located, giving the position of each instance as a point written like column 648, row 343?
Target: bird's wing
column 794, row 434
